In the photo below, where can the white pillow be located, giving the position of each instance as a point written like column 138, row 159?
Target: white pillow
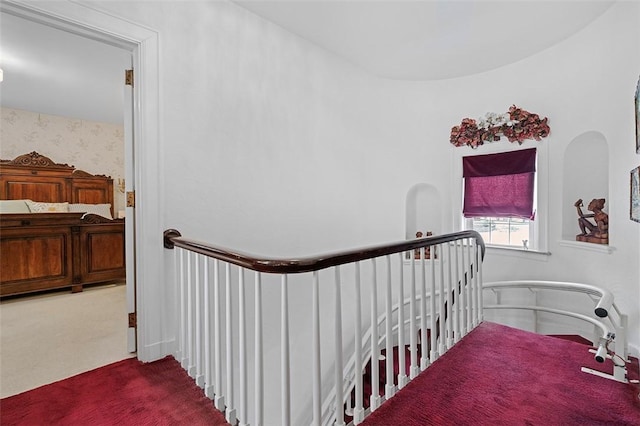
column 103, row 210
column 38, row 207
column 14, row 206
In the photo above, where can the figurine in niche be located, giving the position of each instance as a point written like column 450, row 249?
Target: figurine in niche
column 427, row 250
column 591, row 232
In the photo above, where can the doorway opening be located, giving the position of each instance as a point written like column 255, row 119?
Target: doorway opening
column 68, row 333
column 143, row 164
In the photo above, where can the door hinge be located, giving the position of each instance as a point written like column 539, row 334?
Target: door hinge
column 133, row 320
column 128, row 77
column 131, row 198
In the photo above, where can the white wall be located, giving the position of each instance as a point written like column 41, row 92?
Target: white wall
column 270, row 142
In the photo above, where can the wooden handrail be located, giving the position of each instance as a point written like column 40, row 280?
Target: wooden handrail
column 173, row 238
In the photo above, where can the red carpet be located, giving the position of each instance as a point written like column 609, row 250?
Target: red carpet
column 124, row 393
column 498, row 375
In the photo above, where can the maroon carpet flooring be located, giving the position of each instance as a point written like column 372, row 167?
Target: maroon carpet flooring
column 499, row 375
column 124, row 393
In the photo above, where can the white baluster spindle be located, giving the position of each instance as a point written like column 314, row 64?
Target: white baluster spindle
column 184, row 361
column 390, row 388
column 433, row 354
column 219, row 393
column 284, row 349
column 450, row 311
column 402, row 375
column 259, row 377
column 442, row 303
column 358, row 410
column 413, row 347
column 242, row 350
column 199, row 376
column 207, row 305
column 190, row 316
column 231, row 413
column 375, row 349
column 315, row 348
column 424, row 331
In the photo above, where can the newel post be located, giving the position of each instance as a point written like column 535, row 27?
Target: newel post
column 169, row 234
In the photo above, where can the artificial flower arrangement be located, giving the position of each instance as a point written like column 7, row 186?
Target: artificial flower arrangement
column 517, row 125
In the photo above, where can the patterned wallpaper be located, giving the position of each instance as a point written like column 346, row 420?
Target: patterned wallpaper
column 97, row 148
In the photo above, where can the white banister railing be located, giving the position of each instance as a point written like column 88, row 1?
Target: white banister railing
column 362, row 303
column 445, row 307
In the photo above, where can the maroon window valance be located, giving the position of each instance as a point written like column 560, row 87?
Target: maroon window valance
column 500, row 185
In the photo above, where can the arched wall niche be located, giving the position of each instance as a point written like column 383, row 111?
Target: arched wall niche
column 585, row 176
column 423, row 210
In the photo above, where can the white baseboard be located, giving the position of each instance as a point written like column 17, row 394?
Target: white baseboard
column 156, row 351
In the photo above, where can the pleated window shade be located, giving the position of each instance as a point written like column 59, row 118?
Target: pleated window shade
column 500, row 185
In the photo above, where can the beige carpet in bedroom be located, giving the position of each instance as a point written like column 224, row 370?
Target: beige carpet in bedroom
column 49, row 337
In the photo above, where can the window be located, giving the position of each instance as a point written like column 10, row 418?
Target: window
column 504, row 231
column 499, row 197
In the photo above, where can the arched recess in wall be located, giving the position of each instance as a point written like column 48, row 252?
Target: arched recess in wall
column 423, row 210
column 585, row 176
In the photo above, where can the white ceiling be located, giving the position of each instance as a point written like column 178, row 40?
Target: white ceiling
column 429, row 39
column 52, row 71
column 55, row 72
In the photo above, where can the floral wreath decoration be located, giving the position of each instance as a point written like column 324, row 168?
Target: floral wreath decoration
column 517, row 125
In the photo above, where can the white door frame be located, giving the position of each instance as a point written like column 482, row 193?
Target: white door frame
column 130, row 223
column 154, row 337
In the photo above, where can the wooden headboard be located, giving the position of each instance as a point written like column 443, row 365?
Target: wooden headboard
column 38, row 178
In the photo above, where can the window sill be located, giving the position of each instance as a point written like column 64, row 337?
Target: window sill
column 517, row 252
column 599, row 248
column 418, row 261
